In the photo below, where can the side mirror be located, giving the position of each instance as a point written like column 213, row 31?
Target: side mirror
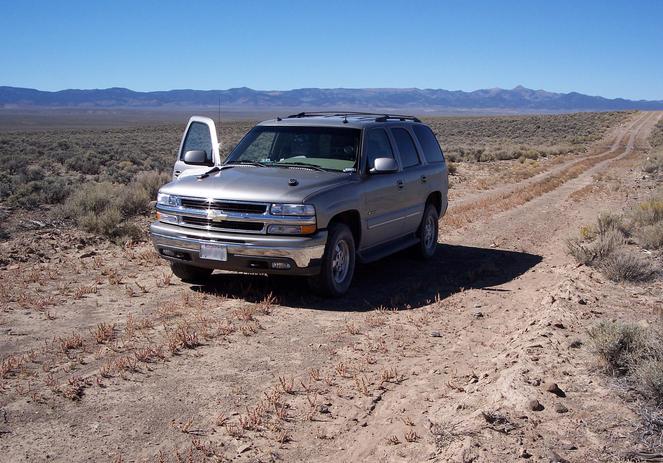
column 384, row 166
column 196, row 157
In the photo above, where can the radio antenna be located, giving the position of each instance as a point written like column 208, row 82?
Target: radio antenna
column 219, row 109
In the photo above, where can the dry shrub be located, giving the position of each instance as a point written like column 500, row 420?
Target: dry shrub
column 649, row 212
column 103, row 208
column 653, row 164
column 651, row 236
column 616, row 344
column 592, row 252
column 648, row 375
column 136, row 196
column 627, row 265
column 633, row 351
column 607, row 223
column 604, row 246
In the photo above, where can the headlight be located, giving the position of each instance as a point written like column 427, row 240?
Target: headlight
column 291, row 229
column 167, row 200
column 293, row 209
column 168, row 218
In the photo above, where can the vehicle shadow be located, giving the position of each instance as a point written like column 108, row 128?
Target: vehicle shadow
column 396, row 282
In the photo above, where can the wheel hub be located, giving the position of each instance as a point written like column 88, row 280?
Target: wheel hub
column 340, row 261
column 429, row 232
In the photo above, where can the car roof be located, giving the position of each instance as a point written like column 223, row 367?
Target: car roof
column 355, row 120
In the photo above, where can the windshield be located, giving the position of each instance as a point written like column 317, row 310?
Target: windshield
column 329, row 148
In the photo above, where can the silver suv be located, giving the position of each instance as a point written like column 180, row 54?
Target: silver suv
column 309, row 194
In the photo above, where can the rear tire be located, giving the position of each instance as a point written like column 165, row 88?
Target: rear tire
column 428, row 233
column 189, row 273
column 338, row 263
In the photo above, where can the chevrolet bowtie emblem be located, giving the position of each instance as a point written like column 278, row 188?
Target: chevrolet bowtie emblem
column 216, row 216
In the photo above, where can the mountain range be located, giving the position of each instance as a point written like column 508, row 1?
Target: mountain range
column 433, row 100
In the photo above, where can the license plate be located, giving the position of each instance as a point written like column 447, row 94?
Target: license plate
column 213, row 252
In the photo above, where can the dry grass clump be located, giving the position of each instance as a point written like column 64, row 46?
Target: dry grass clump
column 605, row 247
column 647, row 222
column 105, row 208
column 626, row 265
column 634, row 352
column 651, row 236
column 594, row 252
column 617, row 344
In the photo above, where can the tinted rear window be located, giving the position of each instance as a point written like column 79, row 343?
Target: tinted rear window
column 406, row 147
column 428, row 143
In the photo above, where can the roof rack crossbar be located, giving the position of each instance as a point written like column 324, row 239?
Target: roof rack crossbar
column 379, row 117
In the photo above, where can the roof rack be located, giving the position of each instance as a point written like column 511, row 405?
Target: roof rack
column 379, row 117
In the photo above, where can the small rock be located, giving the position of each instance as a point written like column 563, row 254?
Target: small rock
column 87, row 254
column 535, row 405
column 435, row 334
column 559, row 324
column 567, row 446
column 243, row 448
column 555, row 389
column 581, row 301
column 477, row 314
column 575, row 344
column 524, row 453
column 554, row 457
column 560, row 408
column 323, row 408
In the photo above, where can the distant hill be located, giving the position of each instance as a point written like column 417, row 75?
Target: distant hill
column 434, row 100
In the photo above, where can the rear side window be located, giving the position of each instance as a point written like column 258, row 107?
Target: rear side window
column 377, row 146
column 428, row 143
column 406, row 147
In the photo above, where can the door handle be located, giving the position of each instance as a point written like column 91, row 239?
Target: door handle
column 399, row 183
column 424, row 179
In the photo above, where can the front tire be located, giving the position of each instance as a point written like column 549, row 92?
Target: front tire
column 189, row 273
column 428, row 233
column 338, row 263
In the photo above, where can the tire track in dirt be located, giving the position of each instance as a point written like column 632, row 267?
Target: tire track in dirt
column 493, row 364
column 513, row 196
column 601, row 148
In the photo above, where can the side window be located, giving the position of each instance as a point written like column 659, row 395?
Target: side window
column 377, row 146
column 198, row 138
column 406, row 147
column 429, row 144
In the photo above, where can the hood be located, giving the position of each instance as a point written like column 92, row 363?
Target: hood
column 259, row 184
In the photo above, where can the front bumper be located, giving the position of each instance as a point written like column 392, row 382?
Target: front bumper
column 246, row 252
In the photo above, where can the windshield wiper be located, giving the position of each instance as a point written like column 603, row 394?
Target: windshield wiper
column 246, row 163
column 213, row 170
column 301, row 164
column 216, row 169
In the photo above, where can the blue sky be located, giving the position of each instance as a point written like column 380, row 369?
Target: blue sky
column 609, row 48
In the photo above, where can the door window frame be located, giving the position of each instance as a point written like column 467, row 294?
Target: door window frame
column 390, row 140
column 216, row 160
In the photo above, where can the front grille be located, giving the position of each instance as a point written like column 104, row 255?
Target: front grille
column 226, row 206
column 227, row 224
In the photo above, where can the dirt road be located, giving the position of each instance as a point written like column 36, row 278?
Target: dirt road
column 106, row 358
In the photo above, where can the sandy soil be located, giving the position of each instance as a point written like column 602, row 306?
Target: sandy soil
column 105, row 357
